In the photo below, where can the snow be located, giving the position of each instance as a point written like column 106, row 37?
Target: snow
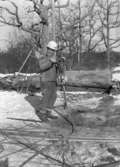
column 117, row 100
column 116, row 69
column 116, row 73
column 116, row 77
column 17, row 73
column 14, row 105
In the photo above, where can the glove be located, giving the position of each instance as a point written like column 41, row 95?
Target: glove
column 38, row 55
column 63, row 78
column 63, row 58
column 53, row 59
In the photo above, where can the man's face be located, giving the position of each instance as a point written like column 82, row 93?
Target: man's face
column 50, row 52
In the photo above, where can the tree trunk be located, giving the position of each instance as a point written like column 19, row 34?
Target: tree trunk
column 80, row 35
column 108, row 41
column 53, row 20
column 44, row 35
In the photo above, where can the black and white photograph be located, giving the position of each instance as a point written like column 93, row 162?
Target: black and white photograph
column 59, row 83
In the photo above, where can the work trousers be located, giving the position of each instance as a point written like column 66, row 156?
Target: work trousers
column 49, row 91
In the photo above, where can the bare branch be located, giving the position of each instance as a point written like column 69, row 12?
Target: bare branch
column 7, row 10
column 22, row 28
column 29, row 159
column 95, row 45
column 17, row 14
column 12, row 14
column 16, row 22
column 41, row 10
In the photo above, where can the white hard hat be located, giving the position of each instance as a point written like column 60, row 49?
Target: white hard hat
column 52, row 45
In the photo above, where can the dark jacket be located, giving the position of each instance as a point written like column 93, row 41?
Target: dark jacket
column 47, row 69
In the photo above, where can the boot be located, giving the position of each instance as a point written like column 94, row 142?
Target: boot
column 42, row 116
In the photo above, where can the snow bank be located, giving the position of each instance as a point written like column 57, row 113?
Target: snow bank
column 116, row 74
column 20, row 74
column 14, row 105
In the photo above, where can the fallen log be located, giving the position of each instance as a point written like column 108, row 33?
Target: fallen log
column 70, row 85
column 82, row 85
column 32, row 83
column 106, row 88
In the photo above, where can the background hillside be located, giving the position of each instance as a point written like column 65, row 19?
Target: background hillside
column 94, row 60
column 12, row 60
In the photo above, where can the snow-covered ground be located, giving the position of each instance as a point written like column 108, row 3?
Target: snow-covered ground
column 91, row 111
column 13, row 104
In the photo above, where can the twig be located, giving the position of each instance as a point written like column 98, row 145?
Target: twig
column 30, row 158
column 65, row 118
column 43, row 154
column 28, row 120
column 9, row 154
column 31, row 147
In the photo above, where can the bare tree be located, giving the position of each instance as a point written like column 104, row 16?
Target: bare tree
column 91, row 28
column 109, row 17
column 36, row 8
column 79, row 28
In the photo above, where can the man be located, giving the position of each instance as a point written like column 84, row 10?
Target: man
column 48, row 72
